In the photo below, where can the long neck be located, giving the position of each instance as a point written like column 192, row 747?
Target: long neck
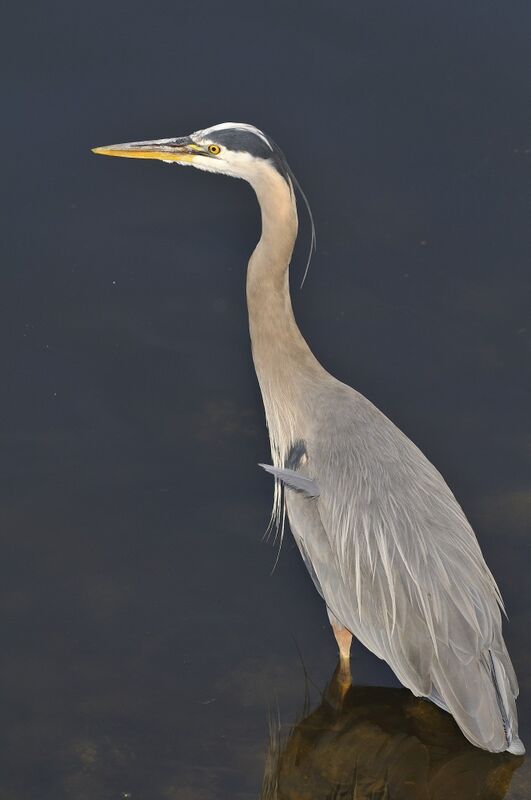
column 285, row 365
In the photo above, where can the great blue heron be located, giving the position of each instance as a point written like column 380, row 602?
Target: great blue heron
column 385, row 541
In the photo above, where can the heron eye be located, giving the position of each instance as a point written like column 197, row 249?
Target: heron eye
column 214, row 149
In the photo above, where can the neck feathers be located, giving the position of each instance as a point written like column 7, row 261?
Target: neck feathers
column 285, row 365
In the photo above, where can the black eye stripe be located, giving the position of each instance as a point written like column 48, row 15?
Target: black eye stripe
column 242, row 141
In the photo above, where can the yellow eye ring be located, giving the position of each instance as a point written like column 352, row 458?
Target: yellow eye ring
column 214, row 149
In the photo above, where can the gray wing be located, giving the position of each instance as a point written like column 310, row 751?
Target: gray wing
column 401, row 567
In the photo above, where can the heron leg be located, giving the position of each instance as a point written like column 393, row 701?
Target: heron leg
column 343, row 636
column 344, row 640
column 342, row 674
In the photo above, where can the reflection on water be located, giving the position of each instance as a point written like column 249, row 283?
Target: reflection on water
column 373, row 743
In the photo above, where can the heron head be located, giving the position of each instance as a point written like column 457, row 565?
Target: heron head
column 231, row 148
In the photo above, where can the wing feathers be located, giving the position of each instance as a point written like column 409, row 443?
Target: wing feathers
column 294, row 480
column 406, row 574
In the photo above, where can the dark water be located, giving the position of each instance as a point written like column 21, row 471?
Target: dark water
column 145, row 644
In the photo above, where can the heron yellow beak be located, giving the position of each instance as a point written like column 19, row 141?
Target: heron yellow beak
column 183, row 149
